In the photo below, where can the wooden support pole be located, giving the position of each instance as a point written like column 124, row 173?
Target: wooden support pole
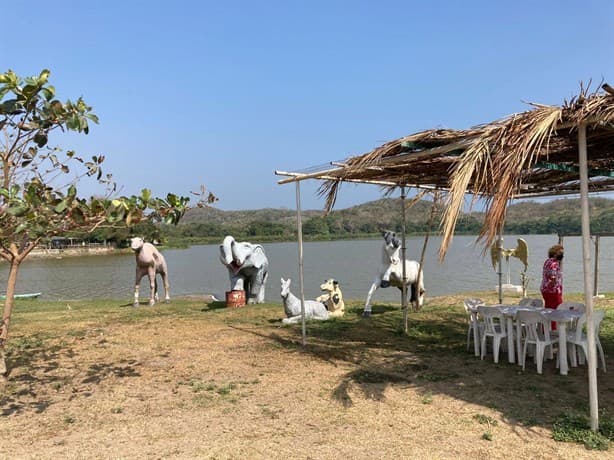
column 299, row 230
column 426, row 240
column 500, row 272
column 596, row 271
column 588, row 295
column 404, row 270
column 562, row 243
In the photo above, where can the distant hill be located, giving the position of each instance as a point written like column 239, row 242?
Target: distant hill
column 365, row 218
column 559, row 216
column 386, row 209
column 527, row 210
column 527, row 217
column 217, row 216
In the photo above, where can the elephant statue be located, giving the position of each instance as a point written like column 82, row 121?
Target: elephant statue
column 248, row 267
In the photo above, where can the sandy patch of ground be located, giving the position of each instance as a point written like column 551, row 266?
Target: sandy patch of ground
column 226, row 384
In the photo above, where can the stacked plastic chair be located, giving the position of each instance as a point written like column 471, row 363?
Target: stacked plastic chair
column 577, row 337
column 473, row 328
column 531, row 302
column 536, row 333
column 494, row 326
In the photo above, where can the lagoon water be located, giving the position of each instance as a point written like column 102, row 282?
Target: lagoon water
column 198, row 271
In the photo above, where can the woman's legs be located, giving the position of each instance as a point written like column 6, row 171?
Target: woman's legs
column 552, row 300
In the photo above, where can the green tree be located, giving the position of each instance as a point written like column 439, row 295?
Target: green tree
column 316, row 226
column 603, row 222
column 263, row 228
column 335, row 224
column 115, row 234
column 38, row 182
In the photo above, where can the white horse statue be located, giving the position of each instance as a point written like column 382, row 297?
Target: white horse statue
column 391, row 273
column 149, row 262
column 292, row 306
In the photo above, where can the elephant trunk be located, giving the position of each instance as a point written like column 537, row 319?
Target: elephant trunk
column 238, row 256
column 226, row 255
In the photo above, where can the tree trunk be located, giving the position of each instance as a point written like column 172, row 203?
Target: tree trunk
column 8, row 309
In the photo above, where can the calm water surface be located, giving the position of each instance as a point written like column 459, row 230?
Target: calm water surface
column 197, row 270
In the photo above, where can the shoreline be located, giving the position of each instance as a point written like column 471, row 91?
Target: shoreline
column 73, row 252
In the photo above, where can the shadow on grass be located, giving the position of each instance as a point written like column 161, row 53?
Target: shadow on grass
column 215, row 305
column 35, row 374
column 98, row 372
column 29, row 353
column 375, row 310
column 433, row 359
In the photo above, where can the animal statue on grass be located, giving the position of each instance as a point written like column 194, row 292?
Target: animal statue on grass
column 292, row 306
column 390, row 273
column 332, row 298
column 149, row 262
column 248, row 267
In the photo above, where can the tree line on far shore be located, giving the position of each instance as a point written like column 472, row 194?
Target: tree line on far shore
column 210, row 225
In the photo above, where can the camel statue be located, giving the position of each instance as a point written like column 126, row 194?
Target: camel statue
column 292, row 306
column 149, row 262
column 390, row 273
column 332, row 298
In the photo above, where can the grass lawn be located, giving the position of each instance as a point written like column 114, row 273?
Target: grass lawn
column 100, row 379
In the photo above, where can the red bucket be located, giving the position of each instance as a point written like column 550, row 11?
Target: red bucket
column 235, row 299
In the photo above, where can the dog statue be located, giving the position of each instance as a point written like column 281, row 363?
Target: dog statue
column 332, row 298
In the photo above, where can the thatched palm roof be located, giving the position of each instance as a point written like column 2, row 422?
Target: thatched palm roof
column 533, row 153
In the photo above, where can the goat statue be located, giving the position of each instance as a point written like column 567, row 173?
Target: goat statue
column 332, row 298
column 292, row 306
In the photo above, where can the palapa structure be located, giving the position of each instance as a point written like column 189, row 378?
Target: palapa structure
column 528, row 154
column 544, row 151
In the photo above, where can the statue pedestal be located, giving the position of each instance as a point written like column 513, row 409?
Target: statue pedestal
column 510, row 289
column 235, row 299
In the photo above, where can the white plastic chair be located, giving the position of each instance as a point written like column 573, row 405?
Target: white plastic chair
column 573, row 306
column 577, row 337
column 531, row 302
column 537, row 333
column 474, row 326
column 494, row 326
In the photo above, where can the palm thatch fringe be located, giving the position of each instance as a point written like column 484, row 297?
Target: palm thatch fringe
column 526, row 154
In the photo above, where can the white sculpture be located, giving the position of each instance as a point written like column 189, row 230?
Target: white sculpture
column 248, row 267
column 391, row 273
column 333, row 298
column 521, row 252
column 292, row 306
column 149, row 262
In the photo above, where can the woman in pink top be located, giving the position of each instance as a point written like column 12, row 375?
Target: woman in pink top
column 552, row 278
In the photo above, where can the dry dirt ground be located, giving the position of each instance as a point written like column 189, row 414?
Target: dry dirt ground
column 194, row 380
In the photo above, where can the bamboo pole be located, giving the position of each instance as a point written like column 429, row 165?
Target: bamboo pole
column 404, row 270
column 596, row 271
column 500, row 271
column 299, row 230
column 426, row 239
column 588, row 295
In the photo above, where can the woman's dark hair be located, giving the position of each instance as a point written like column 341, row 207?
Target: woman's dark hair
column 555, row 252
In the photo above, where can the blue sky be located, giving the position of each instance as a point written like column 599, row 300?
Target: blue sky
column 225, row 93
